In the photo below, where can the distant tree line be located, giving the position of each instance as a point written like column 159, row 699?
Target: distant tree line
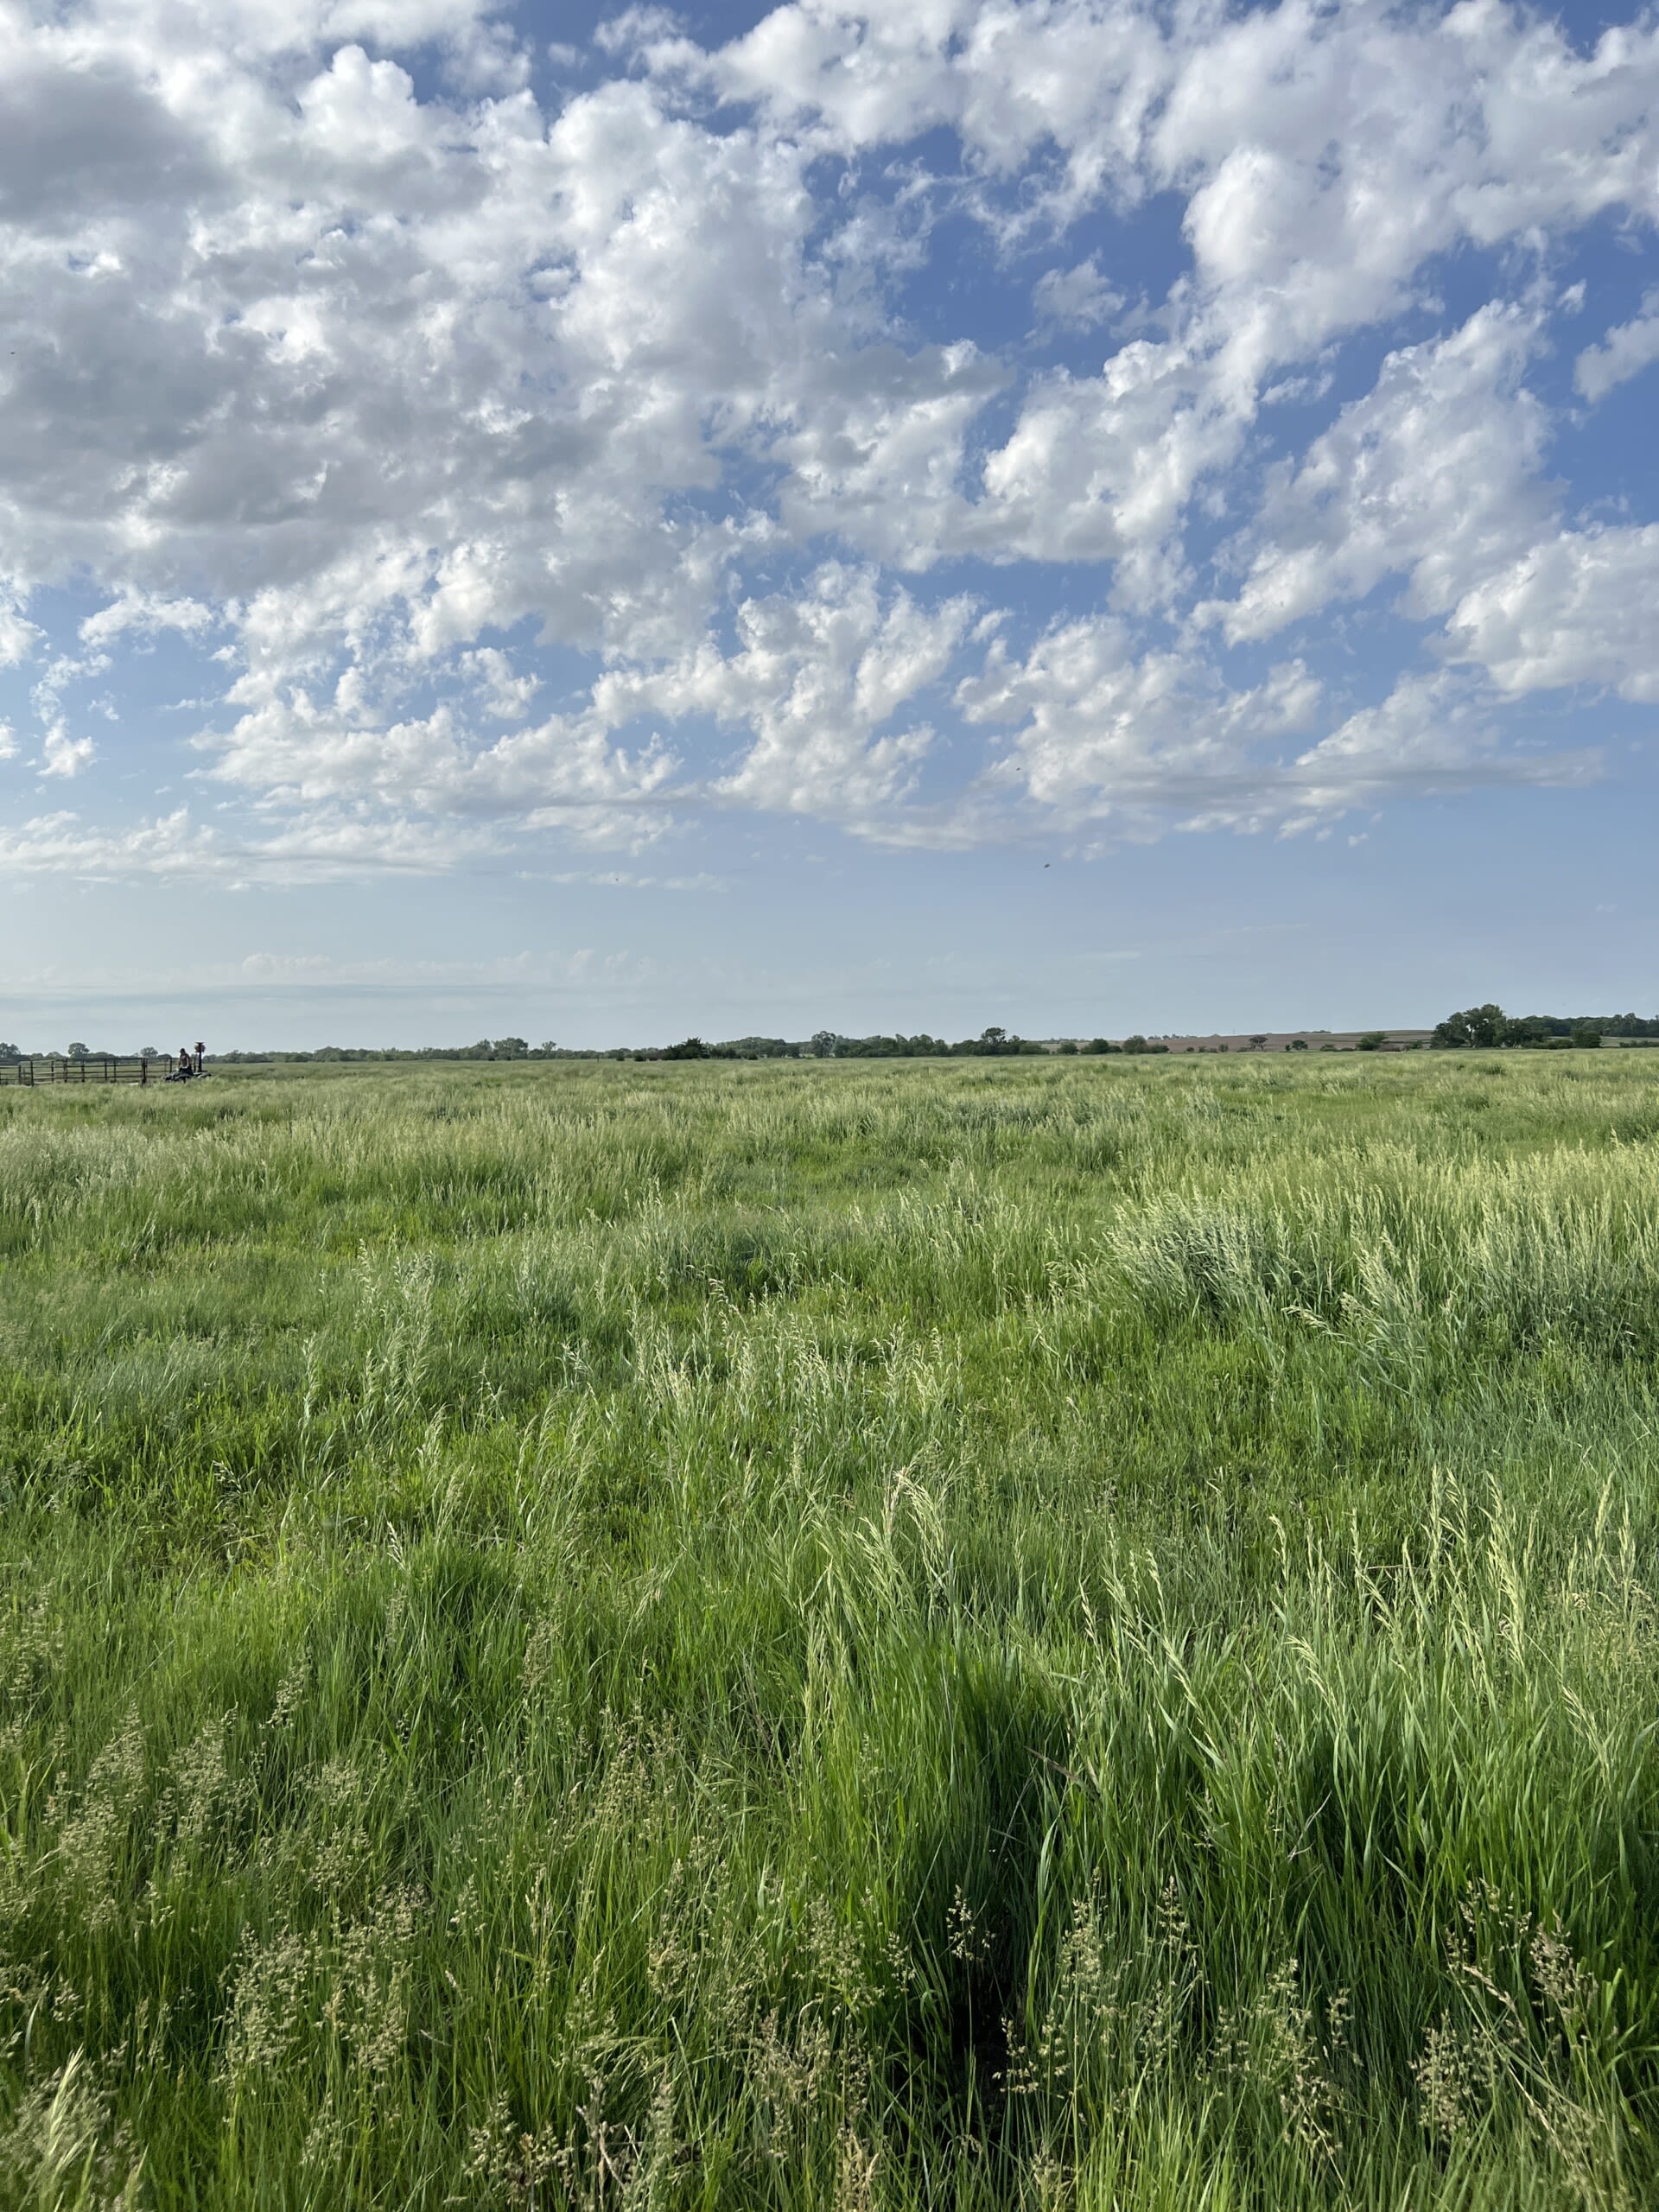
column 486, row 1048
column 1488, row 1026
column 994, row 1043
column 10, row 1054
column 1478, row 1026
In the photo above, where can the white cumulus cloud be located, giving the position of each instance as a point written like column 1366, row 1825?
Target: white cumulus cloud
column 1576, row 608
column 1628, row 349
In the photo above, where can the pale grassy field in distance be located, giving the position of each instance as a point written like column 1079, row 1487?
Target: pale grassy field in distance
column 993, row 1634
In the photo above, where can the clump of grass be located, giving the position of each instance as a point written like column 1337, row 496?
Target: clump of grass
column 1028, row 1635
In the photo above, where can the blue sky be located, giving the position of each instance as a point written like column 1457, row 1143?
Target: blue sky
column 597, row 525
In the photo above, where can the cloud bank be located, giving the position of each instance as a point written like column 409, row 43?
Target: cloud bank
column 978, row 420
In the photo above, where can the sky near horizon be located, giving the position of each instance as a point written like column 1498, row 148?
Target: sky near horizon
column 592, row 524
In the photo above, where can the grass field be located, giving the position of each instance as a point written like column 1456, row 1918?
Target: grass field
column 1004, row 1634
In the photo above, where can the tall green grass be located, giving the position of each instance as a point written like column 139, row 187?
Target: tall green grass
column 1009, row 1635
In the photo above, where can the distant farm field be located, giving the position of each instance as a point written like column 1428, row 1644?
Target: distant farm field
column 1025, row 1634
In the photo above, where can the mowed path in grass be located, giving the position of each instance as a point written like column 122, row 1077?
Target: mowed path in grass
column 1006, row 1634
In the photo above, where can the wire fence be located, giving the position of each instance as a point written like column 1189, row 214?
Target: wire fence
column 101, row 1067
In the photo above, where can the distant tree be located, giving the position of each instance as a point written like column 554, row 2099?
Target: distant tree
column 1372, row 1041
column 1259, row 1041
column 1135, row 1044
column 547, row 1050
column 510, row 1048
column 149, row 1052
column 992, row 1040
column 1297, row 1044
column 1476, row 1026
column 1587, row 1036
column 1067, row 1045
column 79, row 1052
column 690, row 1048
column 9, row 1053
column 1529, row 1029
column 823, row 1044
column 1100, row 1044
